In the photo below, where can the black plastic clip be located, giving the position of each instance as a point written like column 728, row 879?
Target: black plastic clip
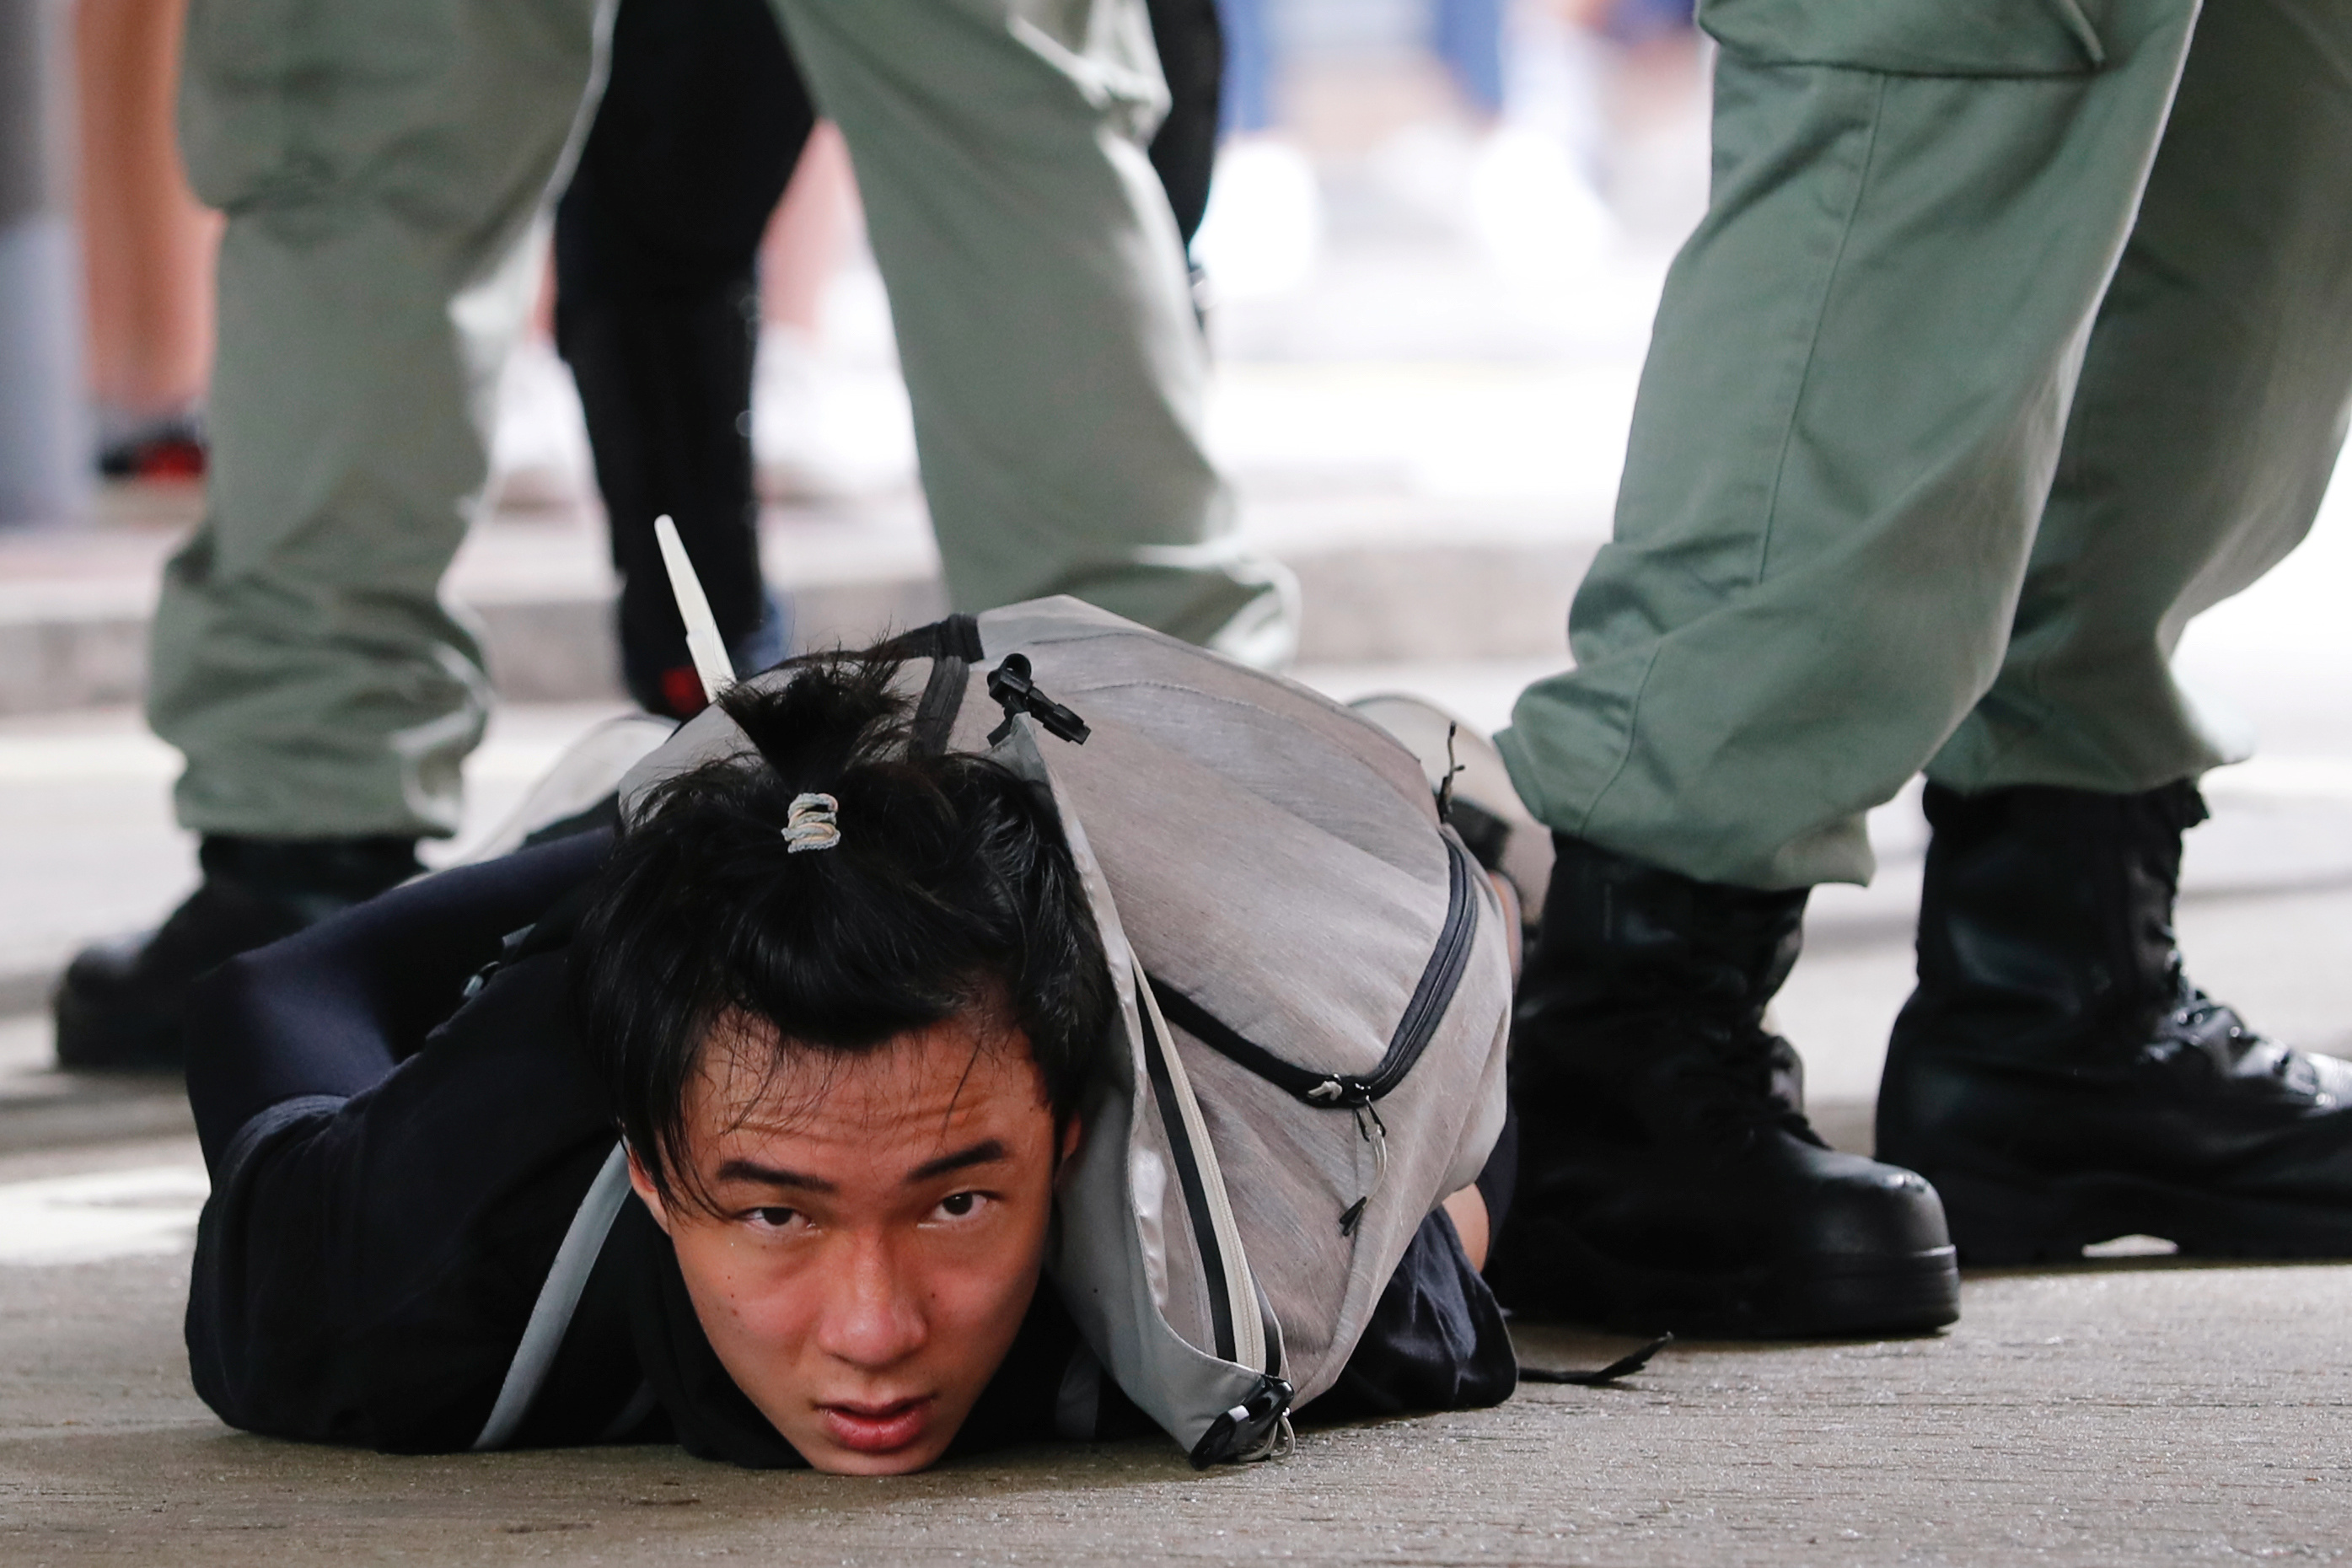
column 1010, row 688
column 510, row 946
column 1248, row 1430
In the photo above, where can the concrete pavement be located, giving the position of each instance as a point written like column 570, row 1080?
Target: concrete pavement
column 2122, row 1413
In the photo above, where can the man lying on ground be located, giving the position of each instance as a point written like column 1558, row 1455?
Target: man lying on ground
column 841, row 1000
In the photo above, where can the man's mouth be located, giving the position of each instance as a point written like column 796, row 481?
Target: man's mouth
column 878, row 1429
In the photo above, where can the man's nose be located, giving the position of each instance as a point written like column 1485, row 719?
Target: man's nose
column 873, row 1314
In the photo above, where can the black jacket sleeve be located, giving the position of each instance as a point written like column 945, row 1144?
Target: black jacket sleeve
column 331, row 1010
column 378, row 1229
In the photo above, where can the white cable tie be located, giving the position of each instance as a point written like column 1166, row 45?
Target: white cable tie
column 703, row 643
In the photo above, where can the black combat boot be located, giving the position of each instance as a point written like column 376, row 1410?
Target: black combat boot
column 2059, row 1078
column 120, row 1005
column 1668, row 1178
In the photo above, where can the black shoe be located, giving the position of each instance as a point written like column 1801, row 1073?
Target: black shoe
column 2061, row 1080
column 674, row 689
column 119, row 1007
column 1668, row 1178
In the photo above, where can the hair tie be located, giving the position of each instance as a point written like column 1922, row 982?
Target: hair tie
column 812, row 825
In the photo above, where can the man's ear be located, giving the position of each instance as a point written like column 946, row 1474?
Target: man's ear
column 1065, row 1158
column 642, row 1186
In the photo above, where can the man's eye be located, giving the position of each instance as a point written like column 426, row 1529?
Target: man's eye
column 775, row 1218
column 956, row 1206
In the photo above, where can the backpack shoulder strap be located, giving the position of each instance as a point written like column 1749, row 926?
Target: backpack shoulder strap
column 953, row 645
column 550, row 1315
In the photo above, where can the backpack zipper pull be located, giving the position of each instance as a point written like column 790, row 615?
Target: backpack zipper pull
column 1374, row 1132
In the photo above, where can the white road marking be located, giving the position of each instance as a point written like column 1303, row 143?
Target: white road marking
column 150, row 1209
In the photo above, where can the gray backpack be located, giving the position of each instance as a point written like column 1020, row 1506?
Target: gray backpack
column 1315, row 1001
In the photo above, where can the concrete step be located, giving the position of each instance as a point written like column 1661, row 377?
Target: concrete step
column 1433, row 509
column 1383, row 579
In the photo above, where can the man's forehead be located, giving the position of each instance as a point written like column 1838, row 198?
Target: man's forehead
column 925, row 1086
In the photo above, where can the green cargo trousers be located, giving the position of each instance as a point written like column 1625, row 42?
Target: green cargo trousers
column 385, row 165
column 2016, row 334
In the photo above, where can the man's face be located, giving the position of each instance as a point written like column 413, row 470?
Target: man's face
column 877, row 1227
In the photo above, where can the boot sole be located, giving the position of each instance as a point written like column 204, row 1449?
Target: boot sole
column 1997, row 1222
column 1809, row 1296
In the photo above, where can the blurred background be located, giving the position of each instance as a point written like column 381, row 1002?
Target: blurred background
column 1433, row 245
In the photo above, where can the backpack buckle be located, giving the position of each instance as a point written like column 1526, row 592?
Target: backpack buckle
column 1254, row 1429
column 1010, row 688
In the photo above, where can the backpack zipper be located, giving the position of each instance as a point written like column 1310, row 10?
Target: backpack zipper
column 1440, row 979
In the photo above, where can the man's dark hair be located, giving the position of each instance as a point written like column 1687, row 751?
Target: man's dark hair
column 951, row 888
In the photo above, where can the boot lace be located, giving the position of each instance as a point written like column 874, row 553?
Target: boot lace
column 2198, row 1027
column 1717, row 1075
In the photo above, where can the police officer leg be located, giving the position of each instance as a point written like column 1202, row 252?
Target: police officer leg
column 1043, row 312
column 374, row 268
column 2056, row 1074
column 1846, row 428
